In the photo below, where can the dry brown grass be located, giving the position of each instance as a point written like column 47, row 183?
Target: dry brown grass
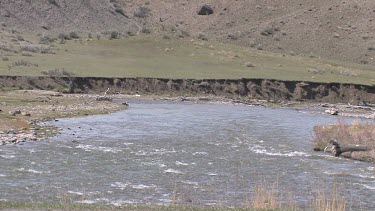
column 329, row 201
column 266, row 198
column 356, row 133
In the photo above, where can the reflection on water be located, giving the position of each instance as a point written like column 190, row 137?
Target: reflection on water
column 201, row 154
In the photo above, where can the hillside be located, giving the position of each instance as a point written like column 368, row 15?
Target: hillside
column 52, row 16
column 329, row 30
column 335, row 29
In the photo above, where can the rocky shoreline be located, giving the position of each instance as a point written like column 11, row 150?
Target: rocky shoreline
column 339, row 109
column 23, row 113
column 18, row 137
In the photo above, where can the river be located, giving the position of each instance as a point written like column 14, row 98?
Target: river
column 157, row 153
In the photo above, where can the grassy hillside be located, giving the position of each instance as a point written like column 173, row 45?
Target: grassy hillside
column 335, row 29
column 152, row 56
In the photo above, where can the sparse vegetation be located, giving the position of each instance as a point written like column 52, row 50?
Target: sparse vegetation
column 264, row 197
column 58, row 73
column 46, row 40
column 146, row 30
column 54, row 2
column 142, row 12
column 119, row 9
column 249, row 64
column 356, row 133
column 202, row 36
column 36, row 49
column 6, row 48
column 20, row 38
column 31, row 48
column 23, row 63
column 195, row 59
column 27, row 54
column 267, row 32
column 74, row 35
column 114, row 35
column 329, row 201
column 166, row 37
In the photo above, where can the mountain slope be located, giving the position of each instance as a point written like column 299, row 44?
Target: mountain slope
column 335, row 29
column 64, row 16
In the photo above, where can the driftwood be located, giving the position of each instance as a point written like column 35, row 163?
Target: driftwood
column 104, row 97
column 337, row 150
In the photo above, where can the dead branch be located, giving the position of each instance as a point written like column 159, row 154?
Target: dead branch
column 336, row 149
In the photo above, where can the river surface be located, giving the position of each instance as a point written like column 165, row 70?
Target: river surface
column 201, row 154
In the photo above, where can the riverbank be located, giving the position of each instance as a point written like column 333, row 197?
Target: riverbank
column 357, row 135
column 259, row 89
column 22, row 110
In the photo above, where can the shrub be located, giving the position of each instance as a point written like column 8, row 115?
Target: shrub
column 57, row 73
column 202, row 36
column 267, row 32
column 46, row 51
column 53, row 2
column 5, row 59
column 46, row 40
column 63, row 36
column 23, row 63
column 20, row 38
column 249, row 64
column 119, row 10
column 6, row 48
column 31, row 48
column 115, row 35
column 131, row 33
column 26, row 54
column 166, row 37
column 142, row 12
column 146, row 31
column 74, row 35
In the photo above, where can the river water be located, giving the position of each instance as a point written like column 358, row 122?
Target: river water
column 201, row 154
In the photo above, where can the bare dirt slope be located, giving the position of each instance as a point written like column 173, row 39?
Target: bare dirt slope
column 335, row 29
column 46, row 16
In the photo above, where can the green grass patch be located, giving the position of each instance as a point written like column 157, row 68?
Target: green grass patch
column 150, row 56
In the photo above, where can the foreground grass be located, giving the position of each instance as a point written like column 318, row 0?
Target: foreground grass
column 151, row 56
column 356, row 133
column 266, row 197
column 80, row 207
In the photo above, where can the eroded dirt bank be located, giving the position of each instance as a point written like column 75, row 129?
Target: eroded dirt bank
column 262, row 89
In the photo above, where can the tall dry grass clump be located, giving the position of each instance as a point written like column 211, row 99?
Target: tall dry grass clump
column 355, row 133
column 265, row 197
column 329, row 201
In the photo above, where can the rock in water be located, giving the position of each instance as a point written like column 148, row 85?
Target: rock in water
column 332, row 111
column 206, row 10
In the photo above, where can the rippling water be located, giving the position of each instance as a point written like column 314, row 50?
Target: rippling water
column 156, row 152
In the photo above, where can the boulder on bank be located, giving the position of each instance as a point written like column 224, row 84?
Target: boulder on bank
column 206, row 10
